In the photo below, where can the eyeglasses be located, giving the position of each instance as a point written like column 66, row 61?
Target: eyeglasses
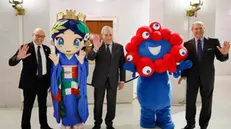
column 40, row 36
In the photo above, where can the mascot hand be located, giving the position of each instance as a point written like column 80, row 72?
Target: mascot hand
column 176, row 74
column 130, row 67
column 184, row 65
column 54, row 58
column 81, row 56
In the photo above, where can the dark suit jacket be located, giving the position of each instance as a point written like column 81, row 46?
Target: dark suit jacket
column 204, row 69
column 101, row 73
column 29, row 68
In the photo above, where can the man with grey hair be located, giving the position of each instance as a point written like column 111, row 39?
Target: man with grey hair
column 35, row 77
column 201, row 51
column 109, row 61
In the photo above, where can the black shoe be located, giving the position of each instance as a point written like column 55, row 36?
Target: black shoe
column 189, row 127
column 203, row 128
column 46, row 127
column 110, row 127
column 96, row 127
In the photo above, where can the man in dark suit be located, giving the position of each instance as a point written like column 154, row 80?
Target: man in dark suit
column 109, row 61
column 35, row 77
column 201, row 51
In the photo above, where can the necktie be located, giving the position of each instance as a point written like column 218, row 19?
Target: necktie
column 199, row 48
column 39, row 62
column 108, row 51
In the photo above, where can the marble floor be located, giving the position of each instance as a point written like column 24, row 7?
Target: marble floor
column 127, row 116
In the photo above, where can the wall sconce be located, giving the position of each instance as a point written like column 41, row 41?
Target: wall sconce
column 195, row 4
column 17, row 5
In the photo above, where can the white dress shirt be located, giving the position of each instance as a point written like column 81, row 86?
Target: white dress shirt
column 44, row 61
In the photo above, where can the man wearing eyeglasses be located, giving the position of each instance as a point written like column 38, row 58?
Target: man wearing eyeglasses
column 35, row 78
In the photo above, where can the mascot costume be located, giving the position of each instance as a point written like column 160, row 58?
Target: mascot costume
column 70, row 70
column 154, row 52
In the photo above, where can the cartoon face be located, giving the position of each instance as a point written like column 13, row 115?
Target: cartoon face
column 68, row 42
column 154, row 49
column 69, row 36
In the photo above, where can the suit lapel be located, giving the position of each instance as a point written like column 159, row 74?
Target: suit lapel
column 194, row 45
column 102, row 48
column 45, row 49
column 46, row 52
column 32, row 52
column 194, row 48
column 205, row 45
column 113, row 50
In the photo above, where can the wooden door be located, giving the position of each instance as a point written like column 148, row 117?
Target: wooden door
column 95, row 28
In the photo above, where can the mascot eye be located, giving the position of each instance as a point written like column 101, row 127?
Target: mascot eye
column 59, row 41
column 145, row 35
column 76, row 42
column 86, row 37
column 146, row 70
column 182, row 52
column 129, row 57
column 156, row 26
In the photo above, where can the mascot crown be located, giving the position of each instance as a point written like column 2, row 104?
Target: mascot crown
column 71, row 14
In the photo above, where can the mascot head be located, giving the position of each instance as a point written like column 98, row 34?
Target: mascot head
column 69, row 34
column 154, row 49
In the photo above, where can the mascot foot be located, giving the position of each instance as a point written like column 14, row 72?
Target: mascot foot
column 164, row 120
column 147, row 119
column 150, row 128
column 79, row 126
column 65, row 127
column 168, row 126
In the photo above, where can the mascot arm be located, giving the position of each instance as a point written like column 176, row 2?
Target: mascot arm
column 82, row 79
column 181, row 68
column 55, row 90
column 130, row 67
column 184, row 65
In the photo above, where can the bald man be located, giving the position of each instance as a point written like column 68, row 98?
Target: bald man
column 201, row 51
column 35, row 78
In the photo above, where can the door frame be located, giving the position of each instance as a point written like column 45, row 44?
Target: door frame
column 104, row 18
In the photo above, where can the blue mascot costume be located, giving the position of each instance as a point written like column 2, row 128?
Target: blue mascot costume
column 154, row 53
column 70, row 70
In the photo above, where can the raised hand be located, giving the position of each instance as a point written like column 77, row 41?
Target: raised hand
column 225, row 49
column 54, row 58
column 81, row 56
column 96, row 41
column 22, row 52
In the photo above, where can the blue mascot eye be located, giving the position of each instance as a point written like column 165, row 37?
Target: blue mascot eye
column 129, row 57
column 145, row 35
column 182, row 52
column 147, row 70
column 156, row 26
column 76, row 42
column 59, row 41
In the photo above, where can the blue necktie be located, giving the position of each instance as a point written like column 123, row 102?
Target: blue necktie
column 39, row 63
column 199, row 48
column 108, row 51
